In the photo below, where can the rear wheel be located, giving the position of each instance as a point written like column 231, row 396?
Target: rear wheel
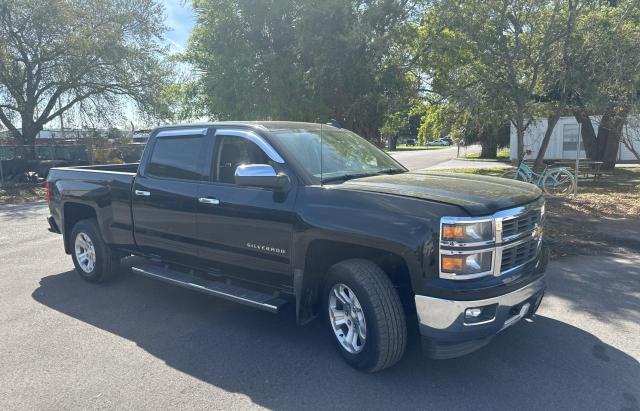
column 365, row 315
column 93, row 259
column 559, row 182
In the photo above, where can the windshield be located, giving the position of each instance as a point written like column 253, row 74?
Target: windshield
column 345, row 155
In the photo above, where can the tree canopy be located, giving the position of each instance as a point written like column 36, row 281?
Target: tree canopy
column 60, row 55
column 304, row 60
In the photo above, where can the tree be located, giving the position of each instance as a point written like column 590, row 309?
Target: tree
column 465, row 127
column 304, row 60
column 62, row 55
column 497, row 48
column 607, row 78
column 556, row 80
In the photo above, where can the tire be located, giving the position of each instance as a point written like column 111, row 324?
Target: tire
column 100, row 264
column 559, row 182
column 377, row 303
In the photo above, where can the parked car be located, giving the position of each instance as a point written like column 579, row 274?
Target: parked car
column 411, row 142
column 439, row 142
column 247, row 212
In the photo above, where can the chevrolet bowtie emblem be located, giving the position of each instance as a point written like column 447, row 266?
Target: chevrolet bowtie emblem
column 537, row 232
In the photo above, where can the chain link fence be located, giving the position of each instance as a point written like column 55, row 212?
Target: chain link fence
column 24, row 164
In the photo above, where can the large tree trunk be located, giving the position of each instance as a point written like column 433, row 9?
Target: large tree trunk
column 612, row 146
column 393, row 142
column 587, row 133
column 551, row 125
column 519, row 124
column 609, row 136
column 488, row 144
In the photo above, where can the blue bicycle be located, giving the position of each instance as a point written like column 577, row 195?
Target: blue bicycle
column 553, row 181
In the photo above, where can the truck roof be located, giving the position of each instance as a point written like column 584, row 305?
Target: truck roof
column 266, row 125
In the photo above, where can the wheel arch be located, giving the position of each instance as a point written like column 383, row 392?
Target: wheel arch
column 73, row 212
column 322, row 254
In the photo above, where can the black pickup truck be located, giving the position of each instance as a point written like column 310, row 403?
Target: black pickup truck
column 276, row 214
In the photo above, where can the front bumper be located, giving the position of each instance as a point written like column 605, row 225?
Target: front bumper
column 444, row 324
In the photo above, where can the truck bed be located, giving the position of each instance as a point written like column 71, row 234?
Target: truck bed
column 100, row 190
column 128, row 168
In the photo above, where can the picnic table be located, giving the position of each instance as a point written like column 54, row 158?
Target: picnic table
column 586, row 168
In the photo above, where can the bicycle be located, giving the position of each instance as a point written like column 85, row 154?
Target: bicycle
column 552, row 181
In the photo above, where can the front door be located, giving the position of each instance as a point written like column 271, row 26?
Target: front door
column 165, row 194
column 247, row 230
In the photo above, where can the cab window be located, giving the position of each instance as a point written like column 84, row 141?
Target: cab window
column 235, row 151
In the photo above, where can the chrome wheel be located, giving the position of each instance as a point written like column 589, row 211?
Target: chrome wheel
column 347, row 318
column 85, row 253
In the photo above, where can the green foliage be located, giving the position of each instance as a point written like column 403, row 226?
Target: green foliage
column 85, row 56
column 484, row 58
column 303, row 60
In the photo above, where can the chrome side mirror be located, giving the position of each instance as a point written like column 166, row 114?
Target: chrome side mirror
column 261, row 175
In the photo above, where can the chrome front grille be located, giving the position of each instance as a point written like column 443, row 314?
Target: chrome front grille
column 520, row 225
column 519, row 254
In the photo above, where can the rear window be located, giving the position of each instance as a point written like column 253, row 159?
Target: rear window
column 177, row 158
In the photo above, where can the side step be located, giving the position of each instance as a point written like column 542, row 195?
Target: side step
column 221, row 289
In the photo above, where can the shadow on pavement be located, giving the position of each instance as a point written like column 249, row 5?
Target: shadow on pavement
column 607, row 287
column 15, row 211
column 544, row 364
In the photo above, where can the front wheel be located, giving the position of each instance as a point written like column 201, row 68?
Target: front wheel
column 559, row 182
column 365, row 315
column 515, row 174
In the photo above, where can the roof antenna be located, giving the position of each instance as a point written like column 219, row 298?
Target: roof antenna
column 321, row 176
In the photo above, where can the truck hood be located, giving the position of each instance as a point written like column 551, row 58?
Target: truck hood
column 478, row 195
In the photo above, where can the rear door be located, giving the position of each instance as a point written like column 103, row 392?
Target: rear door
column 246, row 229
column 165, row 194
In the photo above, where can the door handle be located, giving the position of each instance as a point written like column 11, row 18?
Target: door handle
column 209, row 200
column 142, row 193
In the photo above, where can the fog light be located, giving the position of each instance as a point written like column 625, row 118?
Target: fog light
column 473, row 312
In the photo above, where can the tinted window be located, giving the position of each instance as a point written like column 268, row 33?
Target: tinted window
column 176, row 157
column 235, row 151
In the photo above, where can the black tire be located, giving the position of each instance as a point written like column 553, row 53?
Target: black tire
column 106, row 264
column 386, row 327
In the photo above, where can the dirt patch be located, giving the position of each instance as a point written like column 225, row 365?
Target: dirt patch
column 603, row 218
column 22, row 193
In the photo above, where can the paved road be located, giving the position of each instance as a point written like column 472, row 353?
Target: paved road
column 417, row 159
column 140, row 344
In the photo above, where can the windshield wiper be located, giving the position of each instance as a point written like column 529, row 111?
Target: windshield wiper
column 391, row 171
column 346, row 177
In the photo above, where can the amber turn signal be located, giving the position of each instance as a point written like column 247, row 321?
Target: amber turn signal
column 453, row 231
column 452, row 264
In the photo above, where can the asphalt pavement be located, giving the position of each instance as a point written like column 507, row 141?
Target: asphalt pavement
column 140, row 344
column 417, row 159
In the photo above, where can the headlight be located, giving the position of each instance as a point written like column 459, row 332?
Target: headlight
column 467, row 232
column 460, row 265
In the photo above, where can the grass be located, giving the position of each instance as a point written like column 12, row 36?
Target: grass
column 502, row 155
column 21, row 193
column 415, row 148
column 493, row 171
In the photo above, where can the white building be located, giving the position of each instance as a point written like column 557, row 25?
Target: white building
column 564, row 140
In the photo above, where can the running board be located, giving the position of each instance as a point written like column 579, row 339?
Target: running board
column 220, row 289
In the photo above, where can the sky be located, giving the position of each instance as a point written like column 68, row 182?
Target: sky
column 180, row 20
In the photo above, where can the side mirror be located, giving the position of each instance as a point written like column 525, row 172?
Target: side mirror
column 261, row 175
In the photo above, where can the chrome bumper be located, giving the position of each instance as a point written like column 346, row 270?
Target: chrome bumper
column 444, row 320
